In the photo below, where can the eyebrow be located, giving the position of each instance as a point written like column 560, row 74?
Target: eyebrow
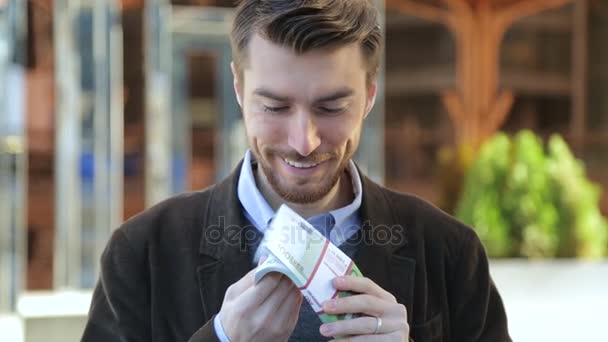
column 269, row 94
column 337, row 95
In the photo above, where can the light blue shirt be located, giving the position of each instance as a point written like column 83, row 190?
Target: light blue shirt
column 340, row 224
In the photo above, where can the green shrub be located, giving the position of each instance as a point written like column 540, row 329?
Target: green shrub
column 525, row 202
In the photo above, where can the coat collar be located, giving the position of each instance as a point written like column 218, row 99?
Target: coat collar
column 224, row 255
column 223, row 222
column 384, row 253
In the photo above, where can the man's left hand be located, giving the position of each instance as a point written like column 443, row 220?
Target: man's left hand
column 380, row 306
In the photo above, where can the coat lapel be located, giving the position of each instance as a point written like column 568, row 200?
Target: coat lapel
column 385, row 253
column 222, row 247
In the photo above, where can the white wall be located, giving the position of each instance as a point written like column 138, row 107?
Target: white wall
column 554, row 301
column 557, row 301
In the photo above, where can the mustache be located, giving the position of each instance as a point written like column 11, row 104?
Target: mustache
column 313, row 158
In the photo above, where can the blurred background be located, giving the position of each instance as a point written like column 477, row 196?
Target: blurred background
column 494, row 110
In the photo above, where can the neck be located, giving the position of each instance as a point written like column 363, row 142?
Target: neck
column 339, row 196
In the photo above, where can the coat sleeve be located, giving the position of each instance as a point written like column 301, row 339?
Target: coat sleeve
column 206, row 333
column 477, row 311
column 120, row 307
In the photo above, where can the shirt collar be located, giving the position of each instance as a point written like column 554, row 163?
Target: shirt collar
column 251, row 198
column 260, row 211
column 341, row 215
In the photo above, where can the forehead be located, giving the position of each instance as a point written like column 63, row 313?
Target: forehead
column 281, row 67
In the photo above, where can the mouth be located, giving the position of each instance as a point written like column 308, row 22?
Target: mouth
column 301, row 165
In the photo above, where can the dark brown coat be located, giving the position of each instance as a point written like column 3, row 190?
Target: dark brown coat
column 164, row 272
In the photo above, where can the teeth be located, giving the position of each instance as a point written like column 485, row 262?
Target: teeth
column 300, row 165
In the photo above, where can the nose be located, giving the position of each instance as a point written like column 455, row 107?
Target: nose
column 304, row 134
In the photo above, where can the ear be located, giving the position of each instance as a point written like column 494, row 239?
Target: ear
column 371, row 98
column 237, row 85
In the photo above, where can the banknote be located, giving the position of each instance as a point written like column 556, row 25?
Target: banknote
column 296, row 249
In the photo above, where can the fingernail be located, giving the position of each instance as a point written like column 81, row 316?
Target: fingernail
column 326, row 329
column 340, row 281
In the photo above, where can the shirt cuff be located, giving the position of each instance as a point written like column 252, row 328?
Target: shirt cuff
column 219, row 330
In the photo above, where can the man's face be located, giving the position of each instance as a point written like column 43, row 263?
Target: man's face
column 303, row 115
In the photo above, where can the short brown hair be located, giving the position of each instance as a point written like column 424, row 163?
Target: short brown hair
column 306, row 25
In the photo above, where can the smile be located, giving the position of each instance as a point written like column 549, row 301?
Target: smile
column 300, row 165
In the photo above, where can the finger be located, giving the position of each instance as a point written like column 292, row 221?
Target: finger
column 241, row 285
column 257, row 294
column 358, row 326
column 362, row 285
column 276, row 298
column 290, row 308
column 364, row 303
column 266, row 315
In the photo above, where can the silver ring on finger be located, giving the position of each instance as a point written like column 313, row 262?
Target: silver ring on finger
column 378, row 325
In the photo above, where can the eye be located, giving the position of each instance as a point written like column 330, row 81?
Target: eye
column 331, row 111
column 275, row 109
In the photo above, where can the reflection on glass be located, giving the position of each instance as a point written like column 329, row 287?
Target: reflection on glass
column 157, row 102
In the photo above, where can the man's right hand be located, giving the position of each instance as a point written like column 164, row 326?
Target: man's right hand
column 267, row 311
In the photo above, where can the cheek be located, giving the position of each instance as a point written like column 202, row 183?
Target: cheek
column 340, row 133
column 263, row 130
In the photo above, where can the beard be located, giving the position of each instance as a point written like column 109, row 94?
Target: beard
column 303, row 191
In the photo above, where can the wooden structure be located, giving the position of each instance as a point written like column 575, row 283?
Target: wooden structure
column 477, row 107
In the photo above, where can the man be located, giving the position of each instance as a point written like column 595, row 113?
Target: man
column 304, row 76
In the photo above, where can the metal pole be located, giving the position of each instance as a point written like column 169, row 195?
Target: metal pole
column 101, row 117
column 68, row 208
column 6, row 254
column 158, row 100
column 116, row 121
column 107, row 132
column 13, row 147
